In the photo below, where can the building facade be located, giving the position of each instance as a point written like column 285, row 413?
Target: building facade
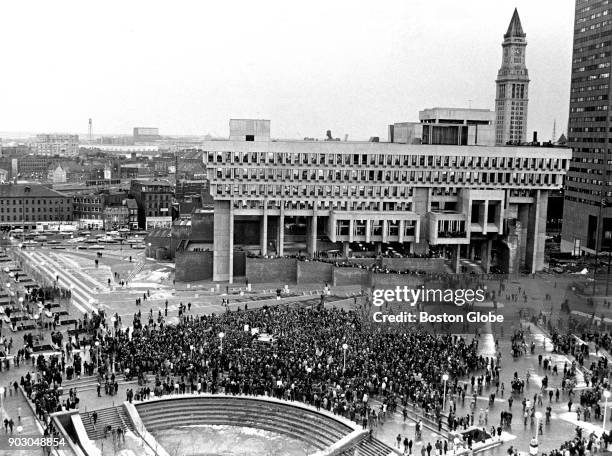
column 466, row 199
column 512, row 82
column 26, row 205
column 447, row 126
column 56, row 144
column 154, row 200
column 587, row 217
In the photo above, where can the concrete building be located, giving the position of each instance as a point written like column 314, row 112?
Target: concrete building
column 587, row 212
column 57, row 144
column 512, row 82
column 449, row 126
column 26, row 205
column 146, row 134
column 482, row 202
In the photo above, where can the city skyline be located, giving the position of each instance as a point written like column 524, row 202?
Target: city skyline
column 354, row 76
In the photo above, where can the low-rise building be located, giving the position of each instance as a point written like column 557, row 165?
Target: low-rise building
column 24, row 206
column 154, row 199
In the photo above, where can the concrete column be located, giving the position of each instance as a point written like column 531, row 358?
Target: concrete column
column 351, row 230
column 485, row 254
column 378, row 248
column 231, row 244
column 312, row 235
column 368, row 230
column 536, row 232
column 385, row 231
column 485, row 216
column 263, row 233
column 457, row 257
column 345, row 249
column 221, row 241
column 281, row 232
column 402, row 224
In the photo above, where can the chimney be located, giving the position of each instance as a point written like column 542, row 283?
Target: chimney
column 535, row 136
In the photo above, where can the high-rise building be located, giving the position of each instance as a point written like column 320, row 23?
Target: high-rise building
column 512, row 87
column 587, row 218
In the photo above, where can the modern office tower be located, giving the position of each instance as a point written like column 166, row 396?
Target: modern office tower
column 512, row 87
column 587, row 214
column 467, row 201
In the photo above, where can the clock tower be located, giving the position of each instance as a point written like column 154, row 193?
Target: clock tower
column 512, row 87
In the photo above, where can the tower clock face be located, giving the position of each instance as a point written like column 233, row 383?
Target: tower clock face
column 517, row 51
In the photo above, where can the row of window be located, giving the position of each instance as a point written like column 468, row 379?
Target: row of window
column 237, row 158
column 344, row 204
column 591, row 77
column 27, row 209
column 377, row 191
column 377, row 227
column 21, row 201
column 590, row 98
column 589, row 108
column 590, row 88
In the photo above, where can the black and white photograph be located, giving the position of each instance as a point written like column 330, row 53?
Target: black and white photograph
column 328, row 228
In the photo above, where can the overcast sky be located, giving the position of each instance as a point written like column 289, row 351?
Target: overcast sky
column 351, row 66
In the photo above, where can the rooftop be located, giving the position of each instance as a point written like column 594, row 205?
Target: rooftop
column 29, row 190
column 515, row 29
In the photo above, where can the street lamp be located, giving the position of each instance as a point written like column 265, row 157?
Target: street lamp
column 221, row 336
column 98, row 354
column 344, row 348
column 538, row 416
column 113, row 321
column 445, row 378
column 2, row 401
column 606, row 396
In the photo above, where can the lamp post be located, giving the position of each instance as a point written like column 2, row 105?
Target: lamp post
column 2, row 401
column 606, row 396
column 113, row 321
column 71, row 286
column 344, row 348
column 221, row 336
column 98, row 354
column 538, row 416
column 445, row 378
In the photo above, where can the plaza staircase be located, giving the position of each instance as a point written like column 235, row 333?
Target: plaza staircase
column 137, row 268
column 115, row 417
column 317, row 429
column 367, row 447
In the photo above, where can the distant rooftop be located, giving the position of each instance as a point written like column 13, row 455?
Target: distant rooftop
column 27, row 190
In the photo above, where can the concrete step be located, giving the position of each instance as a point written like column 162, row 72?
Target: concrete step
column 319, row 430
column 112, row 416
